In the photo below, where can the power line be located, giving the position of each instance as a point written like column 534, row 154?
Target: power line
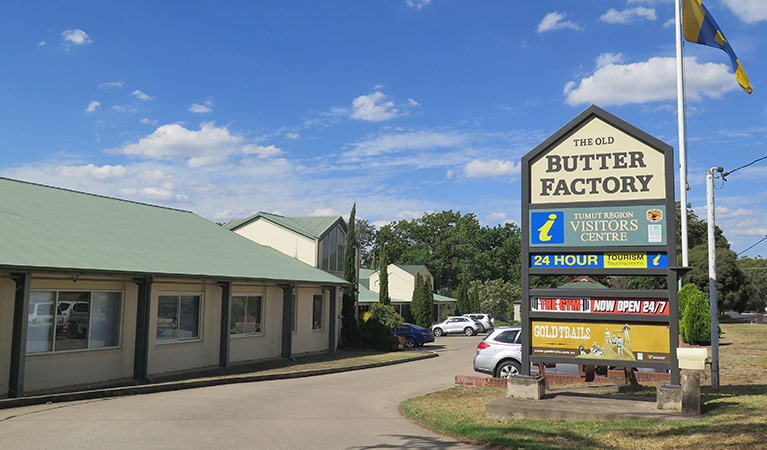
column 760, row 241
column 743, row 166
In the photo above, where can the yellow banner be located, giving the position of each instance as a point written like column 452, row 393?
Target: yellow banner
column 630, row 342
column 625, row 260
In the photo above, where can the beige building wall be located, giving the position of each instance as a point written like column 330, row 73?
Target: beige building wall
column 7, row 290
column 177, row 356
column 401, row 282
column 269, row 344
column 79, row 367
column 285, row 241
column 306, row 340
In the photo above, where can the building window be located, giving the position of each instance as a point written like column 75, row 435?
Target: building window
column 332, row 246
column 247, row 313
column 178, row 317
column 317, row 311
column 73, row 320
column 294, row 311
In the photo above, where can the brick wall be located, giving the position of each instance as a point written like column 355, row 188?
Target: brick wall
column 558, row 379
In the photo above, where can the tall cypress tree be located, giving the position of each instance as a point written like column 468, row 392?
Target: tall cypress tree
column 428, row 301
column 462, row 298
column 383, row 270
column 417, row 300
column 474, row 300
column 349, row 330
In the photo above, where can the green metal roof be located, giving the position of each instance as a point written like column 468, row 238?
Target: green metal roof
column 412, row 269
column 43, row 227
column 312, row 227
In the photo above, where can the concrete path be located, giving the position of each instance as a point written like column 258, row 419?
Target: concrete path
column 354, row 410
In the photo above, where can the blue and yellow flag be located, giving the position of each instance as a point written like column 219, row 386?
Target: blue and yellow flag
column 701, row 28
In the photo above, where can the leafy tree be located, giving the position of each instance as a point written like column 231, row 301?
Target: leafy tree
column 421, row 307
column 696, row 319
column 383, row 290
column 732, row 287
column 427, row 313
column 365, row 235
column 377, row 327
column 755, row 270
column 497, row 297
column 349, row 330
column 682, row 299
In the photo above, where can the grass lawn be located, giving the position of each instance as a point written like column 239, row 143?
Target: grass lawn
column 734, row 417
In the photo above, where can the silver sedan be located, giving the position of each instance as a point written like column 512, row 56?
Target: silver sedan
column 500, row 353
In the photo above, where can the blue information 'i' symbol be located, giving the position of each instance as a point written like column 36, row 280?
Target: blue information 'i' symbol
column 547, row 227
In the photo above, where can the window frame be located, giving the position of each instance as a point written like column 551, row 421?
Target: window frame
column 56, row 300
column 200, row 315
column 262, row 296
column 322, row 311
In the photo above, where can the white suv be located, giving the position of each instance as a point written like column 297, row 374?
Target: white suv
column 486, row 320
column 460, row 324
column 500, row 353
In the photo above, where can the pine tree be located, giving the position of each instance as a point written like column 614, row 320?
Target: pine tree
column 383, row 270
column 474, row 305
column 462, row 298
column 349, row 330
column 427, row 314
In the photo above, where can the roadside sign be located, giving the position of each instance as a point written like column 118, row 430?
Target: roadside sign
column 600, row 260
column 598, row 226
column 598, row 198
column 601, row 305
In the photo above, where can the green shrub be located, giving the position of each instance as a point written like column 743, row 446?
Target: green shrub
column 696, row 318
column 376, row 330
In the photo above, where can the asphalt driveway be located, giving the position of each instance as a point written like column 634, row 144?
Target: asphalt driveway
column 355, row 410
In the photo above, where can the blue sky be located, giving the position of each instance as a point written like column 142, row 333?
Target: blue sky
column 404, row 106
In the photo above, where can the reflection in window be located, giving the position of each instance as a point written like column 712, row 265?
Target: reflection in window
column 333, row 251
column 178, row 317
column 341, row 243
column 317, row 312
column 332, row 245
column 73, row 320
column 246, row 314
column 325, row 244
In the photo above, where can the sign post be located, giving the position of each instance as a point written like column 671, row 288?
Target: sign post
column 598, row 199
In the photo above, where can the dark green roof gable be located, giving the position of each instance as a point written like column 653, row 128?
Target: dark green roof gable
column 412, row 269
column 48, row 228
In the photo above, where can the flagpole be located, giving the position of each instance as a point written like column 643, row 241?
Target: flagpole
column 682, row 131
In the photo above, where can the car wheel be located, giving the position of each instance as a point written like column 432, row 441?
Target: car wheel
column 469, row 331
column 507, row 368
column 438, row 332
column 410, row 343
column 72, row 330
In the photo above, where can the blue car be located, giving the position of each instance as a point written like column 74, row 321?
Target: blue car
column 414, row 335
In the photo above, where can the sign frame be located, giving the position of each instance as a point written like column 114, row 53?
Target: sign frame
column 671, row 320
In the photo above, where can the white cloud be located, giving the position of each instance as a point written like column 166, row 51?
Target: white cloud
column 627, row 15
column 292, row 135
column 210, row 145
column 104, row 172
column 147, row 121
column 648, row 81
column 608, row 58
column 749, row 11
column 41, row 43
column 398, row 142
column 200, row 109
column 412, row 102
column 111, row 84
column 75, row 37
column 496, row 216
column 261, row 151
column 93, row 105
column 141, row 95
column 373, row 108
column 553, row 21
column 492, row 168
column 417, row 4
column 324, row 212
column 669, row 23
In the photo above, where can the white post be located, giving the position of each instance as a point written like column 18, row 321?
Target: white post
column 712, row 277
column 682, row 131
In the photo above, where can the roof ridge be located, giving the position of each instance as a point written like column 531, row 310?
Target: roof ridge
column 95, row 195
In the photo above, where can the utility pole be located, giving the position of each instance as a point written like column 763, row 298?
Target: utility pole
column 712, row 277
